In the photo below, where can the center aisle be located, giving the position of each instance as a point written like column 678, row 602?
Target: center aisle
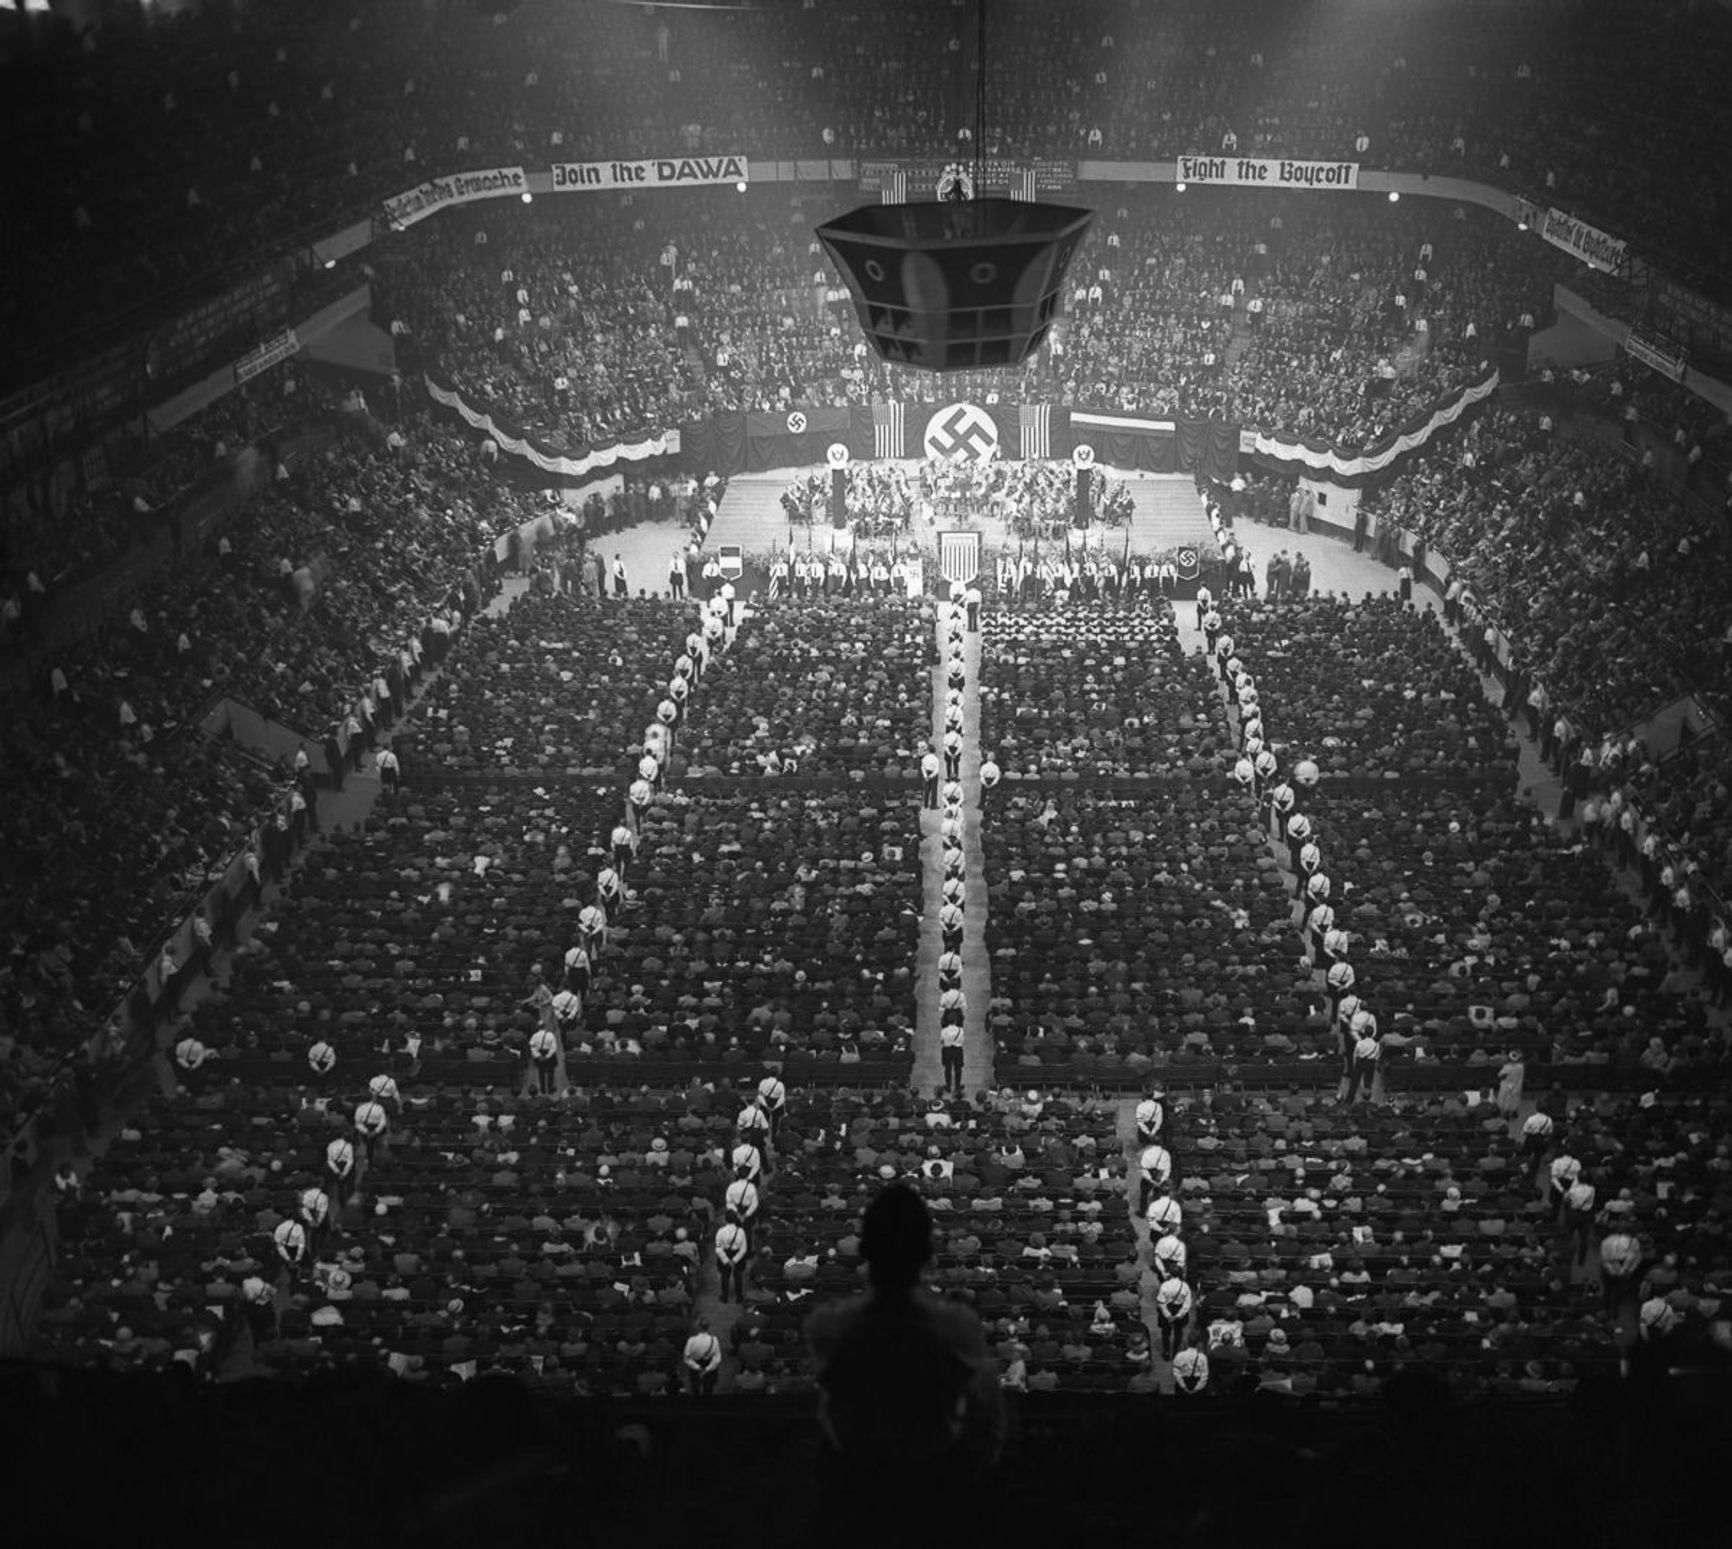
column 977, row 1069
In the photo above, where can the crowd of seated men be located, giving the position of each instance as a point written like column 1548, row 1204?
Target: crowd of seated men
column 1603, row 575
column 565, row 1239
column 1133, row 914
column 389, row 980
column 1330, row 1245
column 122, row 810
column 819, row 687
column 1026, row 1191
column 1470, row 923
column 1351, row 315
column 1601, row 572
column 555, row 684
column 1092, row 689
column 301, row 118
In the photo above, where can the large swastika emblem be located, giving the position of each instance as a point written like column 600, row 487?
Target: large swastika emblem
column 962, row 433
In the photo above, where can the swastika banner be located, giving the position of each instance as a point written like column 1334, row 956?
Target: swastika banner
column 961, row 432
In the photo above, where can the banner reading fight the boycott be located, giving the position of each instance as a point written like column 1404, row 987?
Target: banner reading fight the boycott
column 1258, row 172
column 461, row 188
column 1588, row 243
column 667, row 172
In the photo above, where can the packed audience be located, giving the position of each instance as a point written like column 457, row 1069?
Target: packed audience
column 1336, row 319
column 1602, row 573
column 818, row 687
column 1095, row 690
column 1470, row 922
column 318, row 609
column 297, row 118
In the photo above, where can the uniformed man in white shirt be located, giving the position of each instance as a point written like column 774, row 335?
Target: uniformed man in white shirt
column 753, row 1123
column 702, row 1360
column 1367, row 1052
column 1164, row 1215
column 371, row 1123
column 339, row 1168
column 949, row 968
column 314, row 1210
column 1151, row 1116
column 747, row 1155
column 290, row 1239
column 1172, row 1314
column 624, row 843
column 190, row 1058
column 322, row 1059
column 731, row 1249
column 1171, row 1257
column 1156, row 1163
column 930, row 768
column 1191, row 1370
column 773, row 1098
column 740, row 1202
column 950, row 922
column 592, row 930
column 952, row 1040
column 990, row 775
column 1564, row 1170
column 544, row 1054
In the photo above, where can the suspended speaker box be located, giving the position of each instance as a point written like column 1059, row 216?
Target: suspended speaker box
column 951, row 286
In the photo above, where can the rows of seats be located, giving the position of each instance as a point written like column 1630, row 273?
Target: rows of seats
column 1133, row 915
column 1026, row 1190
column 1094, row 690
column 555, row 684
column 352, row 571
column 1471, row 921
column 1593, row 561
column 1326, row 1239
column 1337, row 319
column 831, row 688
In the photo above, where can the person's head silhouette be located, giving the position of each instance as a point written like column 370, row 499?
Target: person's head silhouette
column 896, row 1237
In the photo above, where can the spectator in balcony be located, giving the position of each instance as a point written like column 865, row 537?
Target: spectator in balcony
column 910, row 1408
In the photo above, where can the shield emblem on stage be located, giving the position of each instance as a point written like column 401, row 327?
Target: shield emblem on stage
column 959, row 556
column 732, row 561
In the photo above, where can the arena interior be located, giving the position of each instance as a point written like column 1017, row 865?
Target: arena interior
column 542, row 776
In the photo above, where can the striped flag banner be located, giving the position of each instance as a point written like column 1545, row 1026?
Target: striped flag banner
column 887, row 429
column 895, row 188
column 1022, row 184
column 959, row 556
column 1036, row 427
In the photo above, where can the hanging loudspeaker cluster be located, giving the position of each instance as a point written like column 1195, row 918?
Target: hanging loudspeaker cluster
column 959, row 284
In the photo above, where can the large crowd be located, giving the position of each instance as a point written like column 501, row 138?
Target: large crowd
column 293, row 118
column 612, row 998
column 1337, row 320
column 318, row 607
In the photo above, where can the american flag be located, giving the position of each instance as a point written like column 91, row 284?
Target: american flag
column 959, row 556
column 1022, row 184
column 887, row 430
column 1036, row 426
column 895, row 188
